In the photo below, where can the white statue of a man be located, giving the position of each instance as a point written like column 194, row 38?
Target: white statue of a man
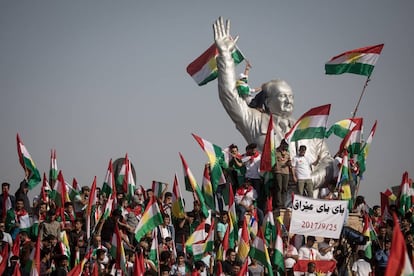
column 252, row 123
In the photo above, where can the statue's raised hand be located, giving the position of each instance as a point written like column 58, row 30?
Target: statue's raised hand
column 222, row 37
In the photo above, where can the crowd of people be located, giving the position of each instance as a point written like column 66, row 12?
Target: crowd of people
column 65, row 240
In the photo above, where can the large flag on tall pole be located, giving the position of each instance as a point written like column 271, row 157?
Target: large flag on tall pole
column 398, row 261
column 191, row 182
column 216, row 159
column 311, row 124
column 204, row 68
column 341, row 128
column 359, row 61
column 32, row 174
column 151, row 218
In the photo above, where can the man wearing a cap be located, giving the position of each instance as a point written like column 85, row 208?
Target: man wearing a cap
column 308, row 252
column 243, row 88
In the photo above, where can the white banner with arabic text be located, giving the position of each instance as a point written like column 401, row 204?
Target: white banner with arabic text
column 317, row 217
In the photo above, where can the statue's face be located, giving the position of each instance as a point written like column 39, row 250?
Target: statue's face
column 280, row 99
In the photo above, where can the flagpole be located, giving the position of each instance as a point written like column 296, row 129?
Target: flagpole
column 360, row 97
column 353, row 116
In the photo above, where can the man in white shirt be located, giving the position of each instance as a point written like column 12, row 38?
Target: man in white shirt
column 361, row 267
column 302, row 172
column 308, row 252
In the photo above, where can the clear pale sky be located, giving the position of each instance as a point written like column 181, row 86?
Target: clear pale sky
column 97, row 79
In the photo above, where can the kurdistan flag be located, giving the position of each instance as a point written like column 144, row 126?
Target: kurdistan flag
column 207, row 189
column 341, row 128
column 53, row 171
column 362, row 157
column 269, row 227
column 278, row 258
column 32, row 174
column 311, row 124
column 202, row 247
column 204, row 68
column 108, row 187
column 191, row 182
column 405, row 194
column 359, row 61
column 352, row 141
column 258, row 251
column 151, row 218
column 268, row 158
column 398, row 261
column 366, row 232
column 216, row 159
column 177, row 201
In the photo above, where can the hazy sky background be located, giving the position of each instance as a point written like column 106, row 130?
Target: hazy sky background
column 97, row 79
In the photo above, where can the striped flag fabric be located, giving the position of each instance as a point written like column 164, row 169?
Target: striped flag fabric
column 341, row 128
column 204, row 68
column 117, row 251
column 202, row 247
column 45, row 190
column 216, row 159
column 27, row 163
column 224, row 245
column 278, row 258
column 268, row 159
column 269, row 227
column 233, row 221
column 129, row 182
column 404, row 203
column 35, row 258
column 311, row 124
column 150, row 219
column 53, row 170
column 64, row 245
column 191, row 182
column 91, row 202
column 367, row 233
column 4, row 255
column 352, row 141
column 359, row 61
column 362, row 157
column 74, row 190
column 154, row 254
column 343, row 176
column 398, row 261
column 61, row 191
column 177, row 200
column 207, row 189
column 259, row 251
column 244, row 242
column 108, row 187
column 158, row 188
column 197, row 236
column 139, row 266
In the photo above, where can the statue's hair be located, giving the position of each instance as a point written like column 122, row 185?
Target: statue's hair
column 271, row 86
